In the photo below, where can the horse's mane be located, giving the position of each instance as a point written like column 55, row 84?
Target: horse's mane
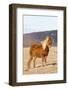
column 44, row 43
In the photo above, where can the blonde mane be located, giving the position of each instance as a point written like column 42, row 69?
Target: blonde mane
column 45, row 42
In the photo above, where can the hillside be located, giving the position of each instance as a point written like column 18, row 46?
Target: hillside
column 36, row 37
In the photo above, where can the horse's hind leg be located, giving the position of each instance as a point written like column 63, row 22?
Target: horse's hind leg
column 29, row 62
column 34, row 61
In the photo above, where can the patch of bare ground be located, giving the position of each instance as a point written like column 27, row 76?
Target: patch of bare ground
column 50, row 67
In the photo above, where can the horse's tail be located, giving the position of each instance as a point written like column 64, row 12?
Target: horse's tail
column 30, row 52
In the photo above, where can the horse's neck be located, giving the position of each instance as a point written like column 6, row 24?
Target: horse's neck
column 44, row 45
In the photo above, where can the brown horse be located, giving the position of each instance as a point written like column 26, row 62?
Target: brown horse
column 39, row 51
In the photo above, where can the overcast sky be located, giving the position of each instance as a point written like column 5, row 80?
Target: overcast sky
column 39, row 23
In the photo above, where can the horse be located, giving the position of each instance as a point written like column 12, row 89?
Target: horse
column 39, row 51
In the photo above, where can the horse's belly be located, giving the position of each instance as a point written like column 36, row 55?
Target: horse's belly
column 38, row 55
column 42, row 54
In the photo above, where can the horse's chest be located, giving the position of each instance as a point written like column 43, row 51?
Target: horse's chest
column 42, row 52
column 45, row 52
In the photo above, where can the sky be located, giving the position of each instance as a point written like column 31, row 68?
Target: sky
column 39, row 23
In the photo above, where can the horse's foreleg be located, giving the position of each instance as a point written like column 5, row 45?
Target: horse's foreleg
column 43, row 61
